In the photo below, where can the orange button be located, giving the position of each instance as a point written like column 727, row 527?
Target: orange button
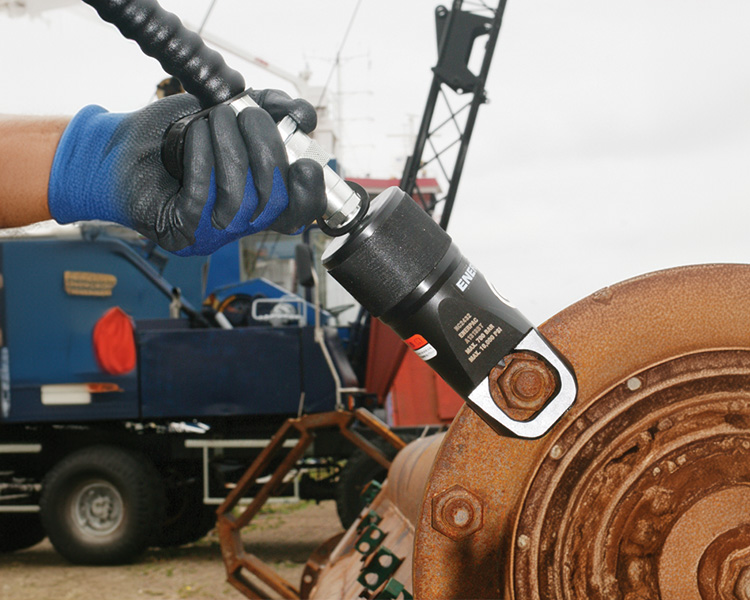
column 416, row 341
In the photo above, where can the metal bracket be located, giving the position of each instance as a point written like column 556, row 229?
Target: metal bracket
column 455, row 48
column 379, row 568
column 371, row 518
column 244, row 569
column 481, row 400
column 369, row 540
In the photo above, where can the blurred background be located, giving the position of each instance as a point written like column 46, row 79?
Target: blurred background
column 616, row 140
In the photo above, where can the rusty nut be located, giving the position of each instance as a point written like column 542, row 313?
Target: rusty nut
column 522, row 387
column 457, row 513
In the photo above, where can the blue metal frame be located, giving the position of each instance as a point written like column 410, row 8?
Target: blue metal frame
column 48, row 333
column 182, row 372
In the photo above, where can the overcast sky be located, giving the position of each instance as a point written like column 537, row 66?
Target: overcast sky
column 617, row 140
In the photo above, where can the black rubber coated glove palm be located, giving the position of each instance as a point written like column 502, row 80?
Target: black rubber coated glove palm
column 237, row 179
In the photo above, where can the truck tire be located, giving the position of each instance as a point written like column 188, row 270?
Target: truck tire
column 20, row 531
column 187, row 518
column 359, row 470
column 102, row 505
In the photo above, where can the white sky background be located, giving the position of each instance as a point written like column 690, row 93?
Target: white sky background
column 617, row 140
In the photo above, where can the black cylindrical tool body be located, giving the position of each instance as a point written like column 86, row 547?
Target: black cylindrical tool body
column 403, row 268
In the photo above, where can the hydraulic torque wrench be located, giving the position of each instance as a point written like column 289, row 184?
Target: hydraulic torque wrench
column 390, row 255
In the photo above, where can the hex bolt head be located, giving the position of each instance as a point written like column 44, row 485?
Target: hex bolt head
column 523, row 386
column 457, row 513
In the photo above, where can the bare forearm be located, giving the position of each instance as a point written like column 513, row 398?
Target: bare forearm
column 27, row 147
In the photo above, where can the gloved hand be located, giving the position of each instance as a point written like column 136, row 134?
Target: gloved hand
column 237, row 178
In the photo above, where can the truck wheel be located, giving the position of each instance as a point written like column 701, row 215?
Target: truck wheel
column 187, row 518
column 102, row 505
column 20, row 531
column 359, row 470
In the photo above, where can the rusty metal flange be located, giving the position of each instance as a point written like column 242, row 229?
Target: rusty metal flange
column 251, row 576
column 643, row 489
column 634, row 494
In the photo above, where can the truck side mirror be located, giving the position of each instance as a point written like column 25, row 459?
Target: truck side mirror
column 304, row 260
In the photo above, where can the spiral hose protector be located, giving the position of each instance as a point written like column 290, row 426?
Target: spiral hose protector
column 181, row 52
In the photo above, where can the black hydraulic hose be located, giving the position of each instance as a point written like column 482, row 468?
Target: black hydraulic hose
column 181, row 52
column 204, row 74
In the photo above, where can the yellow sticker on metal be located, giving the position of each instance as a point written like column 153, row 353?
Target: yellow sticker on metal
column 84, row 283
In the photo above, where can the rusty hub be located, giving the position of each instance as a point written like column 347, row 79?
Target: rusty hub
column 646, row 493
column 643, row 489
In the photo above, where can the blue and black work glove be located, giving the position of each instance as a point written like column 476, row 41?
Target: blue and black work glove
column 237, row 179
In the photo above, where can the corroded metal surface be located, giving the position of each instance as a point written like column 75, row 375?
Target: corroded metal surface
column 457, row 512
column 641, row 491
column 246, row 572
column 315, row 564
column 394, row 511
column 522, row 386
column 636, row 489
